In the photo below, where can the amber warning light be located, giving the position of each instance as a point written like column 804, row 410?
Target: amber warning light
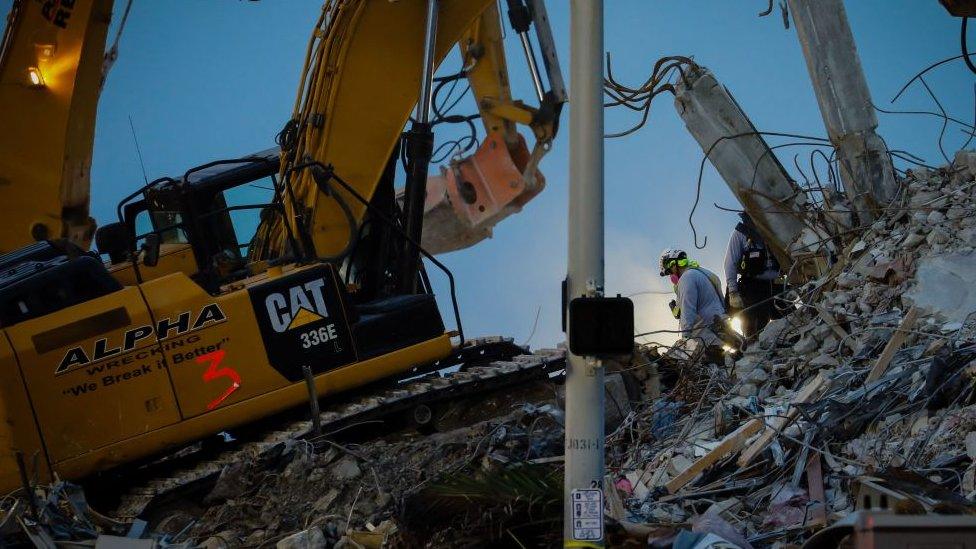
column 36, row 78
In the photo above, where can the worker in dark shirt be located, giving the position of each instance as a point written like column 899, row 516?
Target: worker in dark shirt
column 751, row 273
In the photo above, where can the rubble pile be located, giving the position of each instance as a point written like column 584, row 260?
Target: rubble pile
column 860, row 396
column 370, row 485
column 343, row 493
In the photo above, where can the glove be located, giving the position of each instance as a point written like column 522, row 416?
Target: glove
column 675, row 310
column 735, row 300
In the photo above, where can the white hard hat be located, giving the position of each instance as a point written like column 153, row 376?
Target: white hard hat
column 669, row 255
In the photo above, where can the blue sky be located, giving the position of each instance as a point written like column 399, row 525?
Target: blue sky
column 216, row 79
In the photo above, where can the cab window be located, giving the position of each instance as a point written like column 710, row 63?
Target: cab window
column 246, row 221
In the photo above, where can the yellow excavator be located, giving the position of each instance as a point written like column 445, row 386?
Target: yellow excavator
column 193, row 327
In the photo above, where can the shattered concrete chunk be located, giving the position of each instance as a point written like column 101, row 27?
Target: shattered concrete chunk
column 971, row 444
column 968, row 235
column 772, row 332
column 950, row 327
column 847, row 280
column 223, row 540
column 346, row 468
column 947, row 284
column 748, row 389
column 824, row 360
column 913, row 240
column 957, row 212
column 757, row 376
column 923, row 198
column 313, row 538
column 937, row 236
column 805, row 345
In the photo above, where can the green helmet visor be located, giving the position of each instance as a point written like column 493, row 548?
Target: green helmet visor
column 667, row 264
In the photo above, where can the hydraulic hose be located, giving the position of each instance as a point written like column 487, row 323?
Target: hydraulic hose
column 323, row 182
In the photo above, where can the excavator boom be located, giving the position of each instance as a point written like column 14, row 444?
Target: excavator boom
column 51, row 60
column 350, row 116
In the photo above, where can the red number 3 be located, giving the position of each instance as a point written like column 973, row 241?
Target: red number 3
column 213, row 372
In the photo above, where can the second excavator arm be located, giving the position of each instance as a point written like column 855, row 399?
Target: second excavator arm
column 51, row 71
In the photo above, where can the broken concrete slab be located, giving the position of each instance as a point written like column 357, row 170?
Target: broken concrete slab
column 743, row 159
column 947, row 285
column 845, row 104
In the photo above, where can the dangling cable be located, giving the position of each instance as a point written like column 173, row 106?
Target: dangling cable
column 965, row 48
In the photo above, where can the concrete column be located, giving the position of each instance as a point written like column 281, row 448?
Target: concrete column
column 746, row 163
column 845, row 103
column 584, row 375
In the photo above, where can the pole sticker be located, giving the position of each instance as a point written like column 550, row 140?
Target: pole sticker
column 587, row 514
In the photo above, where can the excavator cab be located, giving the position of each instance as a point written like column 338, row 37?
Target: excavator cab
column 190, row 217
column 186, row 225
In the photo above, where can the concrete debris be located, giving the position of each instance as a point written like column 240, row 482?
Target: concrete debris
column 343, row 489
column 947, row 284
column 346, row 469
column 869, row 374
column 313, row 538
column 348, row 492
column 710, row 114
column 59, row 515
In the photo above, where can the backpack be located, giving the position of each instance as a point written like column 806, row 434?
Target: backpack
column 756, row 258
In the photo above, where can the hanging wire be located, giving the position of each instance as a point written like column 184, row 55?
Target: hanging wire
column 639, row 98
column 442, row 115
column 965, row 48
column 945, row 117
column 923, row 72
column 701, row 172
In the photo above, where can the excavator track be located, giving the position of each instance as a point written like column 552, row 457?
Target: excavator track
column 478, row 373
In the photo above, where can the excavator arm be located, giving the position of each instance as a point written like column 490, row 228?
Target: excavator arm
column 360, row 82
column 473, row 194
column 51, row 61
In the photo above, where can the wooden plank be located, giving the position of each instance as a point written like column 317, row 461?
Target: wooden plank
column 615, row 505
column 896, row 341
column 776, row 424
column 837, row 328
column 815, row 489
column 732, row 443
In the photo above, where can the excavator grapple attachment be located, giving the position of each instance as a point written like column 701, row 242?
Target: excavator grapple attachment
column 472, row 194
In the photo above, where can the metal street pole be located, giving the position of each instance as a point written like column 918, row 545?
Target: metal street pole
column 583, row 513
